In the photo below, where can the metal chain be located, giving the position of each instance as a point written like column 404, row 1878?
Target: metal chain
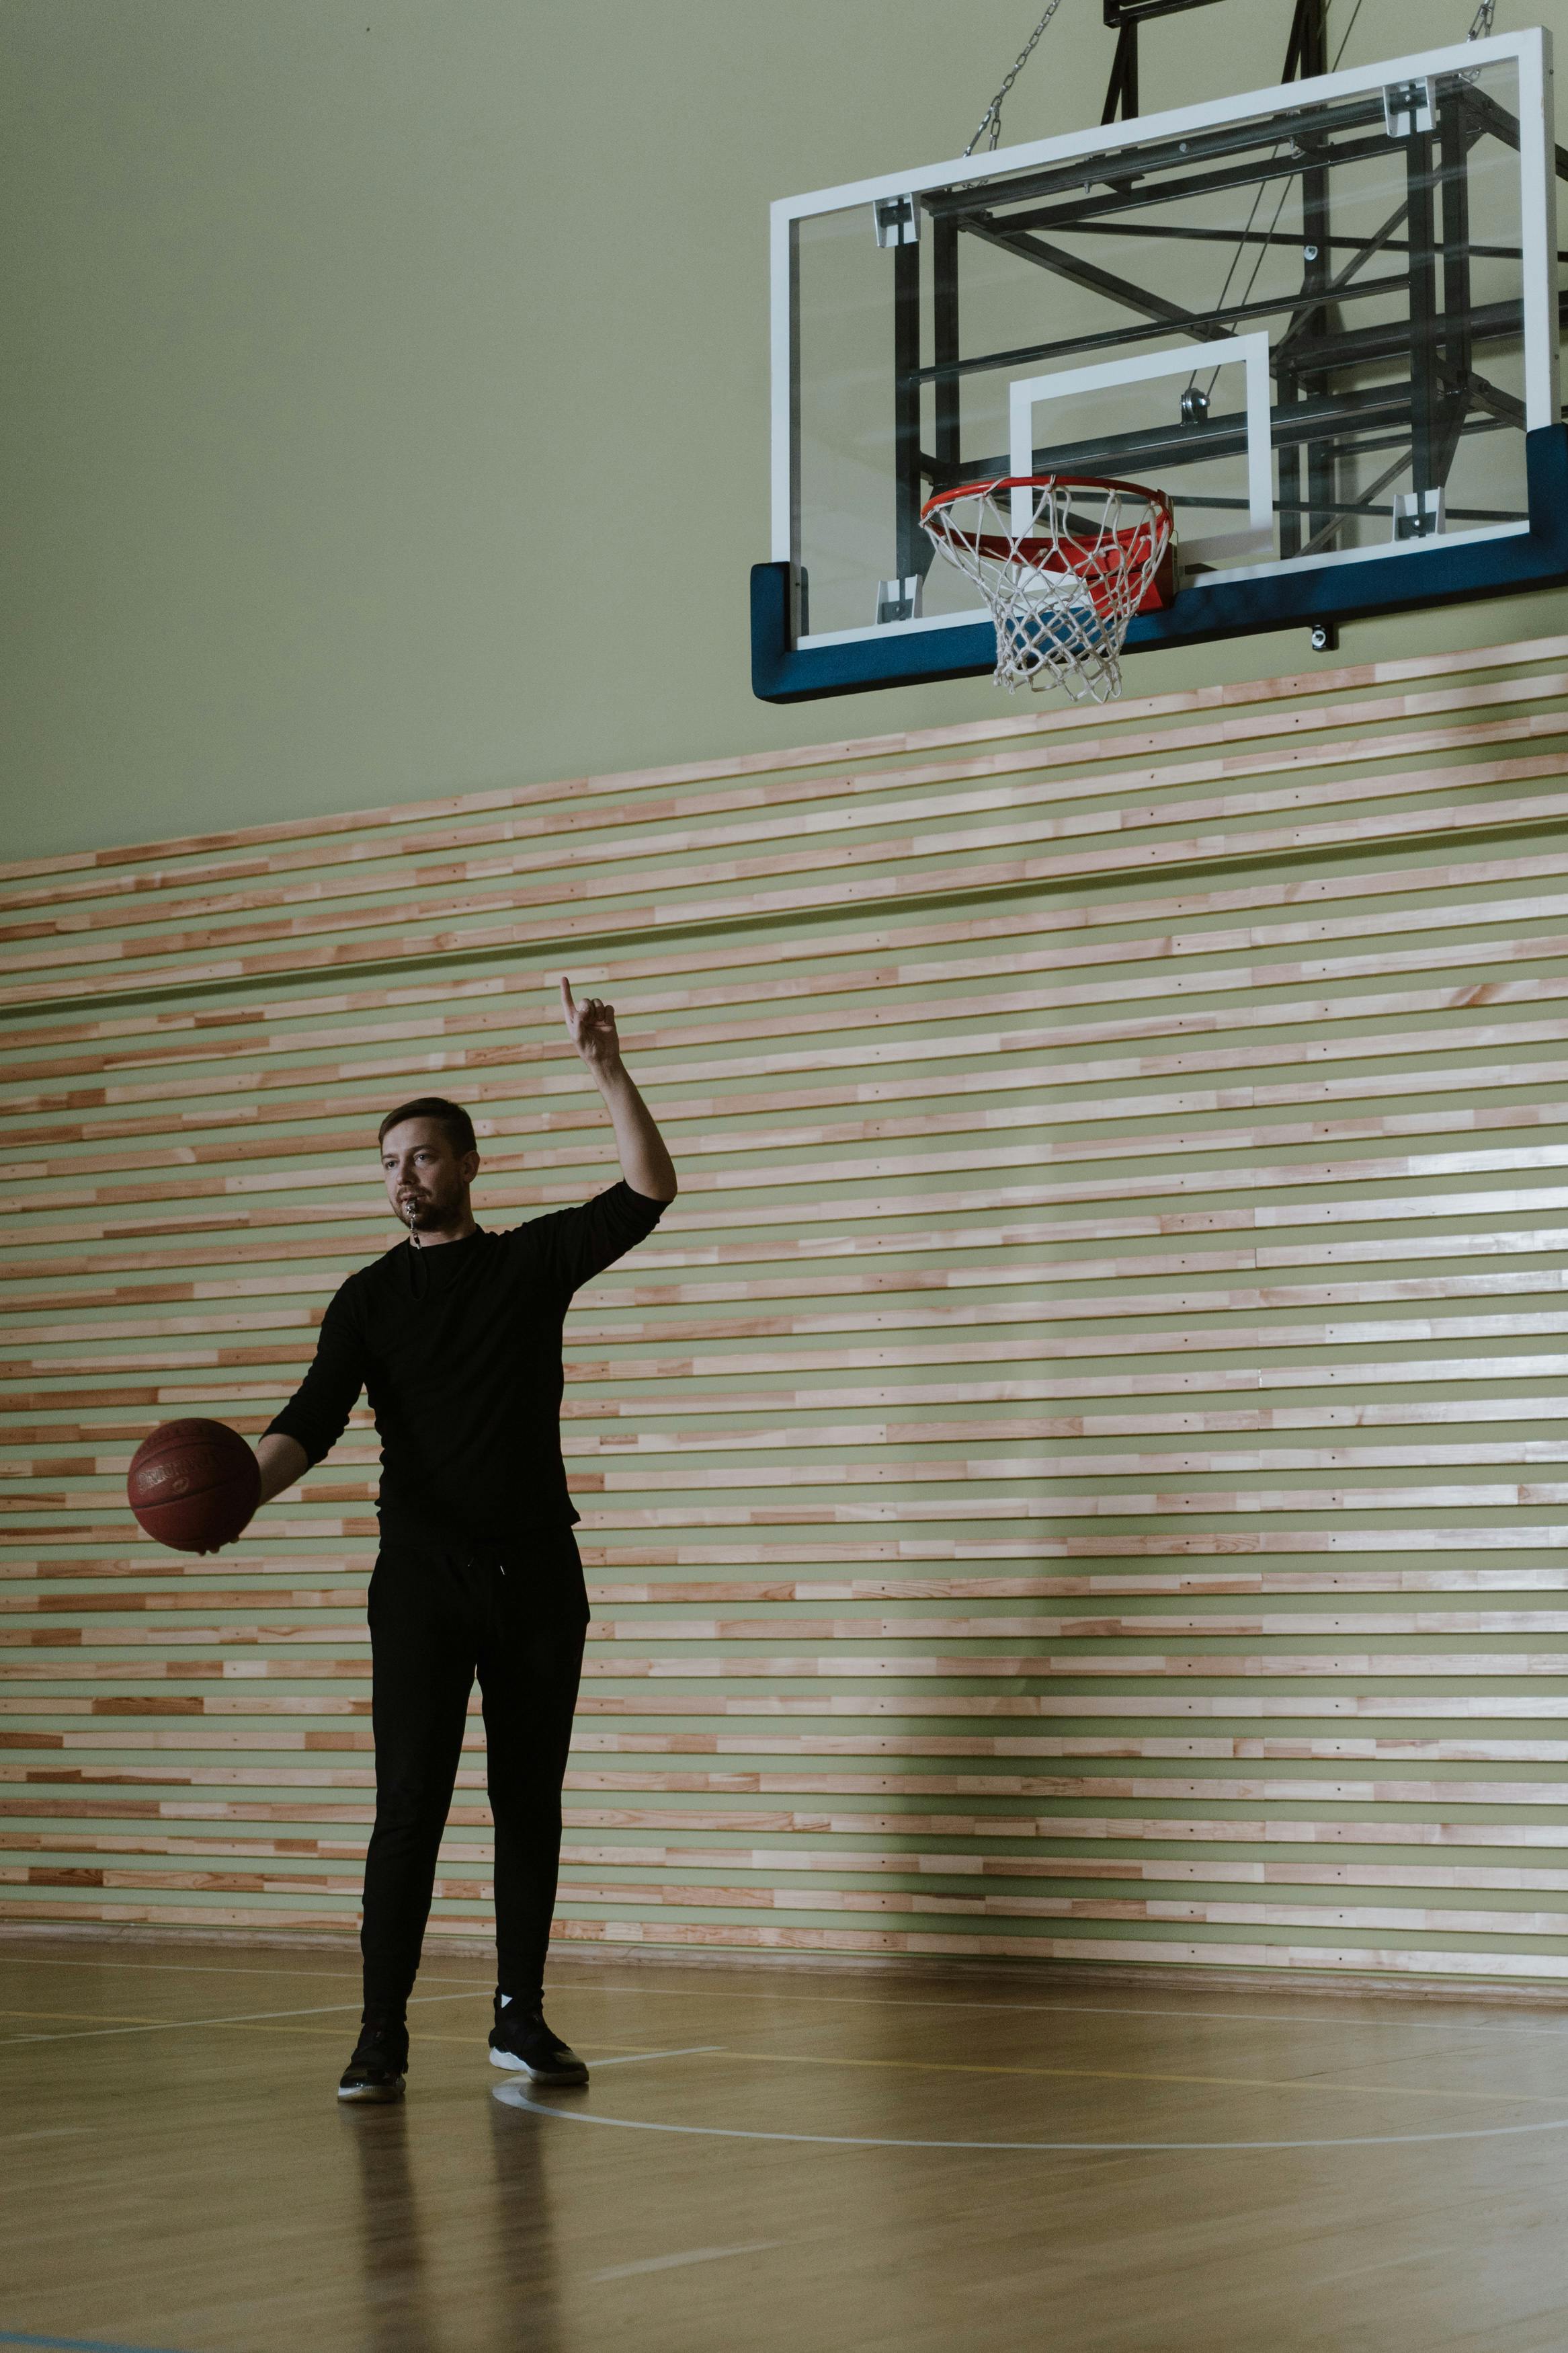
column 993, row 114
column 1345, row 37
column 1481, row 29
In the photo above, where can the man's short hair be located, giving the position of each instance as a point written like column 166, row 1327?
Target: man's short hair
column 454, row 1121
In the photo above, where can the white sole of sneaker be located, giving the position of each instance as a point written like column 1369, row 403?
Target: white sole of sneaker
column 538, row 2074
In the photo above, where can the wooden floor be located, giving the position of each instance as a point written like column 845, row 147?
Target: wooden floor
column 771, row 2159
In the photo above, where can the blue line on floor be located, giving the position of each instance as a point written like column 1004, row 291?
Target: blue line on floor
column 74, row 2344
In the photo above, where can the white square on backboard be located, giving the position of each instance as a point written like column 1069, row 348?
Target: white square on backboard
column 1251, row 352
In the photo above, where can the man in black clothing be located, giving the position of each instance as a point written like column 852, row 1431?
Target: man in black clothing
column 456, row 1336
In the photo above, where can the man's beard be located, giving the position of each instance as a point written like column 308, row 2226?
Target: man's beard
column 419, row 1209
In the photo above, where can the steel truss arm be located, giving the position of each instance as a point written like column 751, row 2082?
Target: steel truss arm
column 1099, row 282
column 1119, row 177
column 1113, row 338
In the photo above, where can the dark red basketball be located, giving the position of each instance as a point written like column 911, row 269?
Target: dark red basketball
column 194, row 1484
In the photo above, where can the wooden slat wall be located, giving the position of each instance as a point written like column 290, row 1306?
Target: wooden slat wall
column 1078, row 1473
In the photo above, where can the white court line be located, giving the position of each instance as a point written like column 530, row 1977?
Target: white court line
column 668, row 2262
column 858, row 2002
column 515, row 2096
column 1269, row 2018
column 1325, row 2018
column 691, row 2051
column 110, row 1959
column 243, row 2018
column 851, row 2000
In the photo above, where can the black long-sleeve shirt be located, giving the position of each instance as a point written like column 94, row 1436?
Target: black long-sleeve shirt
column 460, row 1348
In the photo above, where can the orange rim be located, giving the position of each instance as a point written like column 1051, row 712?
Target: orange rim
column 1152, row 498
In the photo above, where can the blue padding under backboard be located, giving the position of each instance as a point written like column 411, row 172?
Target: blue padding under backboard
column 1448, row 572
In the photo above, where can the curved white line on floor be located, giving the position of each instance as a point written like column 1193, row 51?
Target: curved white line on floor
column 516, row 2098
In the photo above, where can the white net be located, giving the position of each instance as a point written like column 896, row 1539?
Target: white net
column 1063, row 566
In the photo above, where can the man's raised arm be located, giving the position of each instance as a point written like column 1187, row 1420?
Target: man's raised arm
column 644, row 1158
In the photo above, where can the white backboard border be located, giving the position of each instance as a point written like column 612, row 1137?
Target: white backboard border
column 1529, row 49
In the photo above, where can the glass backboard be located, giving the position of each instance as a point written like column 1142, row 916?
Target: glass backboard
column 1323, row 318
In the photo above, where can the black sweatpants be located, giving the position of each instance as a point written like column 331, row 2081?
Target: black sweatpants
column 437, row 1616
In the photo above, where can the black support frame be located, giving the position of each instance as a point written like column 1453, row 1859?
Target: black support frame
column 1446, row 398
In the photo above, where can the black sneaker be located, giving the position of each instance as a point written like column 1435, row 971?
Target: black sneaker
column 521, row 2039
column 376, row 2069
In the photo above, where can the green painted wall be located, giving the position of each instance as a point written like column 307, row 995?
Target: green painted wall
column 335, row 339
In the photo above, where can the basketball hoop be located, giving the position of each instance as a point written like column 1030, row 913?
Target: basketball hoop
column 1063, row 562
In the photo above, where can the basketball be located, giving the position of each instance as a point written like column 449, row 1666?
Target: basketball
column 194, row 1484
